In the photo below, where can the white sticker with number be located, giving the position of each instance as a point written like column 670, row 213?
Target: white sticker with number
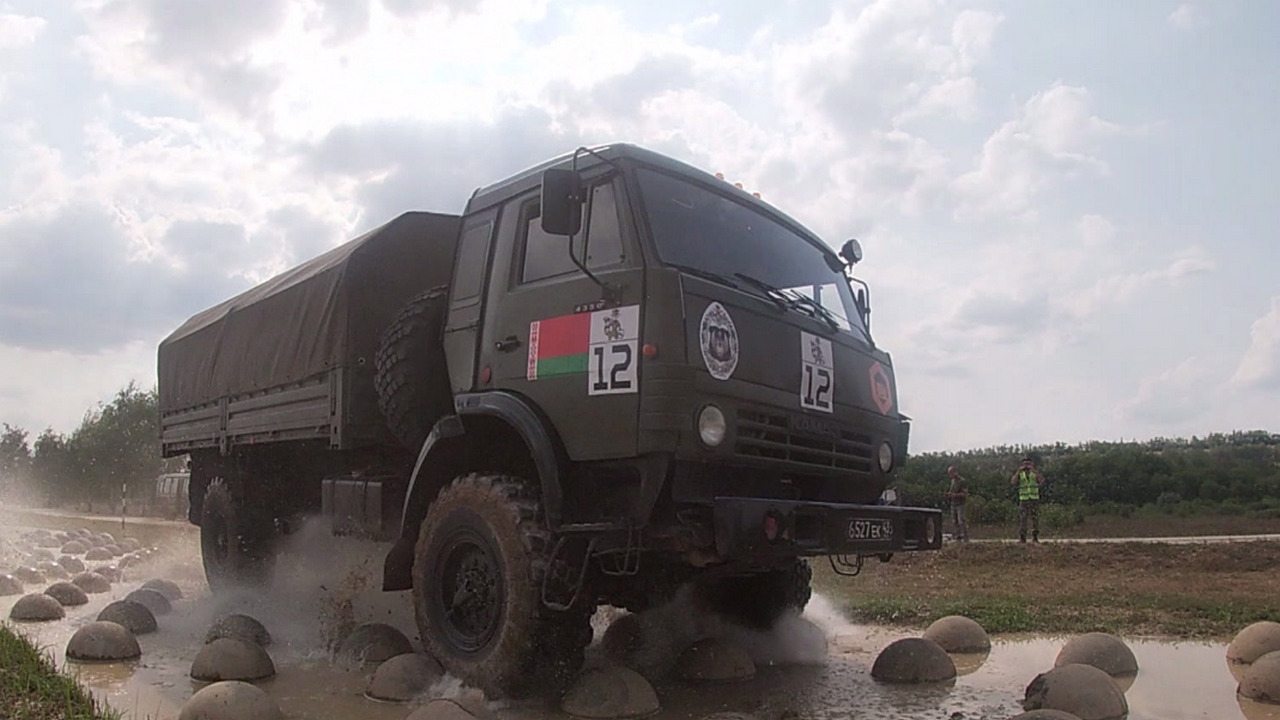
column 613, row 354
column 817, row 373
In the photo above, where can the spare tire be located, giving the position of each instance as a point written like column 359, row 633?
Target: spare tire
column 410, row 371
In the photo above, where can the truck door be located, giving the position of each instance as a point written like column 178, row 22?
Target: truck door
column 464, row 299
column 551, row 337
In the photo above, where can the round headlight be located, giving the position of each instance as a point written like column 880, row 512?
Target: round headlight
column 711, row 426
column 885, row 457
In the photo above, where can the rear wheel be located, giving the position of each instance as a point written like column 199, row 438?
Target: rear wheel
column 235, row 544
column 477, row 583
column 758, row 601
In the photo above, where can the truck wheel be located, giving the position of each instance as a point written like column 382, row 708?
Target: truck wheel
column 477, row 584
column 235, row 549
column 757, row 601
column 410, row 373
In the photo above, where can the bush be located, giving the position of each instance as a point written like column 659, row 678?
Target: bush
column 982, row 511
column 1231, row 507
column 1112, row 508
column 1057, row 517
column 1168, row 498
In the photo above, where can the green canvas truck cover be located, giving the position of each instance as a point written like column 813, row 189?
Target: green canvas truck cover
column 323, row 314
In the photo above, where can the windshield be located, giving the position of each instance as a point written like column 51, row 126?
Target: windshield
column 710, row 233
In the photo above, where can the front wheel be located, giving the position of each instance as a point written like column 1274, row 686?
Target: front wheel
column 477, row 583
column 235, row 548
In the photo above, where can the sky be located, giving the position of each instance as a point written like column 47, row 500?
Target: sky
column 1068, row 210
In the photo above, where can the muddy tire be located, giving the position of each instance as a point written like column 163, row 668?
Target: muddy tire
column 477, row 582
column 235, row 545
column 410, row 374
column 757, row 601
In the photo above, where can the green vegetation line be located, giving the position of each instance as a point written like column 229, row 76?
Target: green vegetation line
column 31, row 688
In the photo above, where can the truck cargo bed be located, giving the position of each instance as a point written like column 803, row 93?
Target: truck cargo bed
column 292, row 358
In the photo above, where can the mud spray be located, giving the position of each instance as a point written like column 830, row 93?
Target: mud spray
column 325, row 586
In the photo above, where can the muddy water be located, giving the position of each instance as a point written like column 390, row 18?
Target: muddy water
column 815, row 667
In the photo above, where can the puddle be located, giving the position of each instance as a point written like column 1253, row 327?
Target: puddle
column 328, row 586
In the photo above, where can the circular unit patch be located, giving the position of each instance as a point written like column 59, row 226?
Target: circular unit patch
column 719, row 340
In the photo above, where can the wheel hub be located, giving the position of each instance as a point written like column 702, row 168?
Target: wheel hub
column 469, row 594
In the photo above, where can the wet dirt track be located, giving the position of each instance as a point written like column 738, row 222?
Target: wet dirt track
column 327, row 586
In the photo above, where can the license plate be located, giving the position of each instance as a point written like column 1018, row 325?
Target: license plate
column 871, row 529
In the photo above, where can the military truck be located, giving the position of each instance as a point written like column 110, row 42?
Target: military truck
column 612, row 376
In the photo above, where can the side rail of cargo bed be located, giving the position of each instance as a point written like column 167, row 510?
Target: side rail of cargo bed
column 312, row 409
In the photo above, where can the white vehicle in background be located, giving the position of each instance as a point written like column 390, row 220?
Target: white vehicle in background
column 170, row 499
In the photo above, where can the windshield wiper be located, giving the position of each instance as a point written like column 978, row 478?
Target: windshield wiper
column 816, row 310
column 772, row 293
column 794, row 301
column 704, row 274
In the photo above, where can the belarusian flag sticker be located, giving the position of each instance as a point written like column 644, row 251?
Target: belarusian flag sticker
column 603, row 344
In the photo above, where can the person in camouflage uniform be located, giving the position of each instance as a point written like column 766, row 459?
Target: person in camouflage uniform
column 957, row 493
column 1028, row 481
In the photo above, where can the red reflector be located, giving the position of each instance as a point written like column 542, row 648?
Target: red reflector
column 771, row 527
column 486, row 375
column 650, row 350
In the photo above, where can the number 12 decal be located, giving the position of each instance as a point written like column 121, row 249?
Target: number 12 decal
column 817, row 373
column 615, row 336
column 613, row 368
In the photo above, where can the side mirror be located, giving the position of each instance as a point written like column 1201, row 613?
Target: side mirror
column 851, row 251
column 561, row 202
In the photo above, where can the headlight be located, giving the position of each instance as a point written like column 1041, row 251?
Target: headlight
column 711, row 426
column 885, row 457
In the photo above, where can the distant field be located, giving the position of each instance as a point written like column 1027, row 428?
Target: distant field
column 1185, row 591
column 1113, row 526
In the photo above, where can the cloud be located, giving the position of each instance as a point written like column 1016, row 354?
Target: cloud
column 408, row 8
column 1015, row 301
column 19, row 30
column 1055, row 136
column 400, row 166
column 1120, row 288
column 1259, row 369
column 624, row 94
column 888, row 62
column 1172, row 397
column 202, row 49
column 68, row 283
column 1185, row 17
column 1096, row 231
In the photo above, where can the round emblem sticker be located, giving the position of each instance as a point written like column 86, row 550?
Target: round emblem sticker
column 719, row 340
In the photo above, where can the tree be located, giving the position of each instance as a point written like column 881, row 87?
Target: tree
column 15, row 456
column 117, row 443
column 52, row 467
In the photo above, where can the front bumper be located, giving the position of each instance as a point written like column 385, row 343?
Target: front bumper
column 750, row 527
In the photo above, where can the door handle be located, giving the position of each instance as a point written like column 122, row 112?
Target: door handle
column 511, row 342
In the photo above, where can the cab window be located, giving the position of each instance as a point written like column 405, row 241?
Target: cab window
column 547, row 256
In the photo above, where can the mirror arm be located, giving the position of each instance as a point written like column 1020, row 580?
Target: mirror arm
column 584, row 149
column 610, row 293
column 865, row 308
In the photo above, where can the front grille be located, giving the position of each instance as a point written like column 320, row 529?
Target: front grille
column 770, row 436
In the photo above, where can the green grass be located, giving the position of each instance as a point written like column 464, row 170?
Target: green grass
column 1184, row 591
column 31, row 688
